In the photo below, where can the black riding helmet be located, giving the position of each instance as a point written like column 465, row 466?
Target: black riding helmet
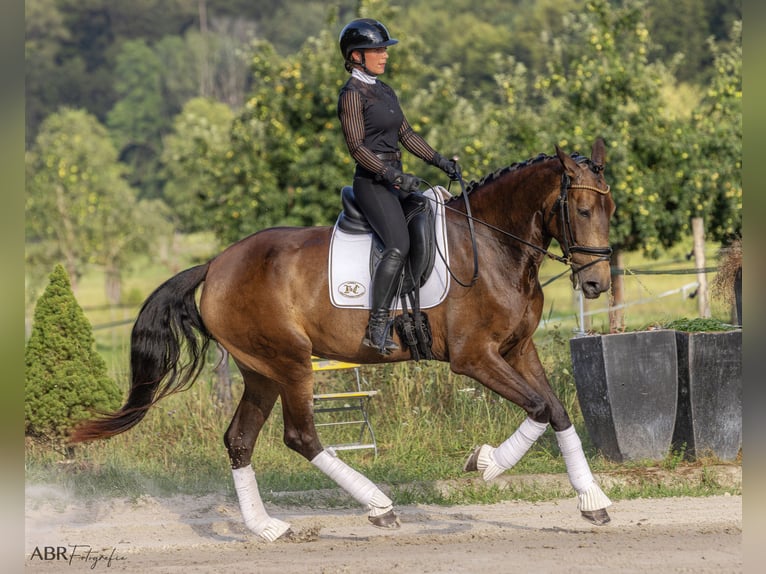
column 362, row 34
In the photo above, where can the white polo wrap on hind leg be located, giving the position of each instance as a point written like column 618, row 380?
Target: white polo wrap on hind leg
column 590, row 495
column 495, row 461
column 253, row 511
column 356, row 484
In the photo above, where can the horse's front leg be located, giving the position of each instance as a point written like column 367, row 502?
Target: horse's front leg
column 258, row 399
column 301, row 436
column 525, row 377
column 592, row 502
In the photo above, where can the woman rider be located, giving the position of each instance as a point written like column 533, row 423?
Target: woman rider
column 373, row 124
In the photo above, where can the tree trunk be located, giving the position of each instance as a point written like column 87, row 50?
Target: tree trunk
column 616, row 315
column 113, row 284
column 738, row 296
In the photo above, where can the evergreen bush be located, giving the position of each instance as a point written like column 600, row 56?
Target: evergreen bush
column 66, row 380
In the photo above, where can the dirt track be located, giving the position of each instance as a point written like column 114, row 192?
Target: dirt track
column 205, row 534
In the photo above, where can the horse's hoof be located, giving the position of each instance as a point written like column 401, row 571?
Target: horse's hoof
column 275, row 530
column 598, row 517
column 288, row 535
column 388, row 520
column 471, row 464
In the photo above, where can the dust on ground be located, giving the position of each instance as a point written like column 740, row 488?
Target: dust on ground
column 195, row 534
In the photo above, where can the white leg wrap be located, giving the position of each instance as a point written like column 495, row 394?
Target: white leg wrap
column 356, row 484
column 593, row 499
column 590, row 495
column 253, row 511
column 494, row 461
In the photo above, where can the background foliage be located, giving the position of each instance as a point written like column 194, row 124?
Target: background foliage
column 220, row 115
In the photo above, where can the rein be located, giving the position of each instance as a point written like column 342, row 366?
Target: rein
column 562, row 202
column 472, row 232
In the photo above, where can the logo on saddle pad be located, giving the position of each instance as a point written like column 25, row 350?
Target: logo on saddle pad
column 351, row 289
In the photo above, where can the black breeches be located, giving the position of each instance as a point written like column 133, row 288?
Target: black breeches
column 383, row 209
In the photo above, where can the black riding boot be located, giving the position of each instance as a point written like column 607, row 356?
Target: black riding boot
column 385, row 283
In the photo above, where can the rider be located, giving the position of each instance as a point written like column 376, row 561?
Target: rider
column 373, row 124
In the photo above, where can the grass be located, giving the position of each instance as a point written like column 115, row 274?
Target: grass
column 426, row 418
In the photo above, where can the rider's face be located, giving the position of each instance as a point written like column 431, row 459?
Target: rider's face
column 375, row 59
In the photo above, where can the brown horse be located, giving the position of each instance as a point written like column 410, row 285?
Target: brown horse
column 265, row 299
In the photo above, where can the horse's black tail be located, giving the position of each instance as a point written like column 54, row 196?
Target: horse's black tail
column 168, row 324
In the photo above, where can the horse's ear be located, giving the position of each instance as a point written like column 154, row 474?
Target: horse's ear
column 570, row 165
column 598, row 153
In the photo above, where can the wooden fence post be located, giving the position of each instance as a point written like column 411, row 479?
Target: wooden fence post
column 616, row 315
column 698, row 232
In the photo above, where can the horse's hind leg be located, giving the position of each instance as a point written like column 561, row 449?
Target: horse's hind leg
column 301, row 436
column 254, row 408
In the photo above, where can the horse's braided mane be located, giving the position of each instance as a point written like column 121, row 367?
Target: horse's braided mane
column 515, row 167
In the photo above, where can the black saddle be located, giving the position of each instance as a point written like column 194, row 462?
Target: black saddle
column 420, row 223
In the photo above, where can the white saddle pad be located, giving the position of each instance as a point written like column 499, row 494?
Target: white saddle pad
column 349, row 263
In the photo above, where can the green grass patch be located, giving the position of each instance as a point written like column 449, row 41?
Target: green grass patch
column 427, row 421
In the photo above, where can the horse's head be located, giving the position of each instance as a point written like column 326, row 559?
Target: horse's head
column 583, row 210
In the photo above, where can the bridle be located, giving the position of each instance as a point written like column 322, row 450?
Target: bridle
column 568, row 243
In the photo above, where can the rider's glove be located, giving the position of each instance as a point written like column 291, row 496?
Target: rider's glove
column 404, row 182
column 448, row 166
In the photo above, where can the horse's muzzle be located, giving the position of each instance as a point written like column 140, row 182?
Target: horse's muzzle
column 592, row 279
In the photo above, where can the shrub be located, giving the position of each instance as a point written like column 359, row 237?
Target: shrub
column 65, row 379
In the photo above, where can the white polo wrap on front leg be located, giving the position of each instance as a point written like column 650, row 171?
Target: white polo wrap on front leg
column 251, row 505
column 494, row 461
column 356, row 484
column 590, row 495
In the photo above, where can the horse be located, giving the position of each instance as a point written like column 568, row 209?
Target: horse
column 265, row 300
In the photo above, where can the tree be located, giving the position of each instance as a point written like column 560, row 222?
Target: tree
column 285, row 163
column 665, row 18
column 45, row 31
column 193, row 154
column 79, row 208
column 65, row 377
column 709, row 151
column 137, row 120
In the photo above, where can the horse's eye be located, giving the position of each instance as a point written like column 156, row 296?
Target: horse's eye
column 583, row 212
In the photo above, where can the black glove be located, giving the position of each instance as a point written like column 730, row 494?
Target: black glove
column 406, row 182
column 448, row 166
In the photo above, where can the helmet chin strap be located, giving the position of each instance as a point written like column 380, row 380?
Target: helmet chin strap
column 363, row 64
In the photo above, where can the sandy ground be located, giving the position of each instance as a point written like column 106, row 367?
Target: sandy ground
column 188, row 535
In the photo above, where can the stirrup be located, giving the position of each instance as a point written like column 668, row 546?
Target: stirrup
column 386, row 344
column 385, row 348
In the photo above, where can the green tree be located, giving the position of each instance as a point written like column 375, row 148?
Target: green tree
column 286, row 160
column 708, row 151
column 65, row 377
column 665, row 20
column 79, row 208
column 137, row 120
column 45, row 32
column 194, row 154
